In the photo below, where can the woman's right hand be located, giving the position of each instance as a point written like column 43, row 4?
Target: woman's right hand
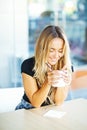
column 53, row 77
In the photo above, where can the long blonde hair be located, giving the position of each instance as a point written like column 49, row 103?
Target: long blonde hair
column 43, row 42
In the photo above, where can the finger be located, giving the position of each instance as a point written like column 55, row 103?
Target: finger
column 49, row 67
column 64, row 67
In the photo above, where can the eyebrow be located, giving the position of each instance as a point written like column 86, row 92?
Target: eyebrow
column 59, row 49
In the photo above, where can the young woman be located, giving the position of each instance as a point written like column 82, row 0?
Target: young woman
column 42, row 73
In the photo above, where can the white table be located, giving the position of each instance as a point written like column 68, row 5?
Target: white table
column 34, row 119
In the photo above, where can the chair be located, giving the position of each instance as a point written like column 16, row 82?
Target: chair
column 79, row 79
column 79, row 84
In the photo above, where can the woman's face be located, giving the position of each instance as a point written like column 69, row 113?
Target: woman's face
column 55, row 51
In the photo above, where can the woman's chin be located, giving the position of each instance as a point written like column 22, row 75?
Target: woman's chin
column 53, row 63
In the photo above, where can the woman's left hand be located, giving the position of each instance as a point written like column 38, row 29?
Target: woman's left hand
column 67, row 77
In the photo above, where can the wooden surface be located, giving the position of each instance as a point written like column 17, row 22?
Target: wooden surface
column 74, row 119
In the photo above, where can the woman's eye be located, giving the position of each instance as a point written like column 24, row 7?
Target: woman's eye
column 60, row 51
column 51, row 50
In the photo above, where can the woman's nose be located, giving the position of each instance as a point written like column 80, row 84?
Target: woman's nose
column 56, row 54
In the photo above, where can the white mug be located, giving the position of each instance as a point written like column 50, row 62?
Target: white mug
column 61, row 82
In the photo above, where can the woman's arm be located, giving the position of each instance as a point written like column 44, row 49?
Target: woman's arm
column 60, row 95
column 35, row 95
column 62, row 92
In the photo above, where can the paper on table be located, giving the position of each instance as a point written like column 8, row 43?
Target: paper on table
column 53, row 113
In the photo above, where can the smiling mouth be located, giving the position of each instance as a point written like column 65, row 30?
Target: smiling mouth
column 54, row 60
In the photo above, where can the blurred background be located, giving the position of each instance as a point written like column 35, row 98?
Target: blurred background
column 21, row 21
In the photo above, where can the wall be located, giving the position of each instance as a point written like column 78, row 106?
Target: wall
column 13, row 38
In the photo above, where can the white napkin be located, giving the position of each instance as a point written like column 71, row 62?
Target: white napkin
column 53, row 113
